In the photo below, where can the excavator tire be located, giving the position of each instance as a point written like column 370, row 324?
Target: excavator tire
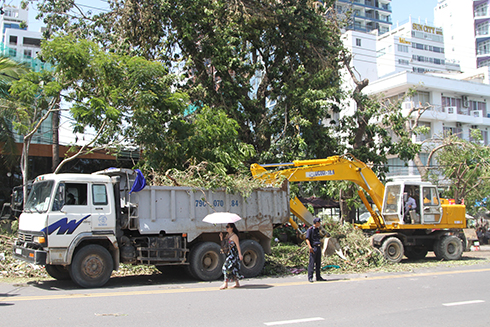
column 392, row 249
column 449, row 248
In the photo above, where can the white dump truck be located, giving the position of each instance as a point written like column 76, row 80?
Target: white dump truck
column 82, row 226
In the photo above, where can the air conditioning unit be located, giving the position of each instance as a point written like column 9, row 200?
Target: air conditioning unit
column 458, row 124
column 451, row 110
column 465, row 101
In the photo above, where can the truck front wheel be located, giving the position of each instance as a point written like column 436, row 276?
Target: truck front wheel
column 205, row 261
column 91, row 266
column 449, row 248
column 253, row 258
column 392, row 249
column 58, row 272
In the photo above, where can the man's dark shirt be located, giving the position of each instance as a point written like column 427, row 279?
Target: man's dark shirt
column 313, row 234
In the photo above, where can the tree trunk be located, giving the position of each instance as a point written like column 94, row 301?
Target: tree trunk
column 421, row 167
column 56, row 141
column 24, row 166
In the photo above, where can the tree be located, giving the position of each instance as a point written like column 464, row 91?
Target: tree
column 270, row 66
column 208, row 136
column 465, row 165
column 102, row 88
column 10, row 71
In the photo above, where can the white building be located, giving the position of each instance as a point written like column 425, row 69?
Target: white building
column 414, row 56
column 367, row 15
column 466, row 31
column 413, row 46
column 458, row 105
column 16, row 41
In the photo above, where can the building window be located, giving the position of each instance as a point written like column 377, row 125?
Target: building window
column 422, row 137
column 403, row 62
column 481, row 10
column 456, row 131
column 421, row 99
column 358, row 42
column 484, row 63
column 451, row 102
column 13, row 39
column 482, row 29
column 11, row 13
column 402, row 48
column 32, row 41
column 483, row 47
column 28, row 54
column 12, row 52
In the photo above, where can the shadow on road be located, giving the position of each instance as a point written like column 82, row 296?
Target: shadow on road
column 255, row 286
column 120, row 282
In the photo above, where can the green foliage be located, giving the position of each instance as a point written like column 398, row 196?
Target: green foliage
column 239, row 57
column 466, row 164
column 207, row 136
column 200, row 177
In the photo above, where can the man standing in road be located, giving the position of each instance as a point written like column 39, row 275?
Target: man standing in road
column 315, row 248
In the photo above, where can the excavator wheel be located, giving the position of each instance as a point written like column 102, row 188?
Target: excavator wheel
column 449, row 248
column 392, row 249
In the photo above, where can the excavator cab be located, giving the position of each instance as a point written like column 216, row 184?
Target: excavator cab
column 411, row 203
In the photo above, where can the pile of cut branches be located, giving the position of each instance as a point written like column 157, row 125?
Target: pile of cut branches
column 198, row 177
column 12, row 268
column 358, row 253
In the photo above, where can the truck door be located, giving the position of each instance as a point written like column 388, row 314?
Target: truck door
column 70, row 214
column 103, row 214
column 431, row 207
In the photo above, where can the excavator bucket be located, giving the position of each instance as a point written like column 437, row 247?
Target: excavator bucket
column 331, row 246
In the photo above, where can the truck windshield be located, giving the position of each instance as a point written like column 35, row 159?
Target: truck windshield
column 39, row 197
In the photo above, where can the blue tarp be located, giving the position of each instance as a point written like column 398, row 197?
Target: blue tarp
column 139, row 182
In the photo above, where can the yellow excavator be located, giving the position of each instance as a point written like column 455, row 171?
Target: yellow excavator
column 431, row 224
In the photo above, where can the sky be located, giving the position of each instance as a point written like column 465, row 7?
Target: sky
column 403, row 9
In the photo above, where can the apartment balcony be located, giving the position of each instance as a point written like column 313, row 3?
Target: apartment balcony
column 386, row 7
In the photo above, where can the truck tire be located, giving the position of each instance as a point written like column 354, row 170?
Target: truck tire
column 91, row 266
column 253, row 258
column 205, row 261
column 416, row 252
column 392, row 249
column 58, row 272
column 450, row 248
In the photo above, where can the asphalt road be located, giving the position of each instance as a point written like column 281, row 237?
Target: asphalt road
column 442, row 296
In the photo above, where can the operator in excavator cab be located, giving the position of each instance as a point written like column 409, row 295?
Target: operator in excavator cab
column 410, row 205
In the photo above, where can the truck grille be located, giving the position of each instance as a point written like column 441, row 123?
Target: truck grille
column 23, row 237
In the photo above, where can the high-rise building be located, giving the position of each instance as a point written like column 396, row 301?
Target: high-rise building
column 466, row 31
column 367, row 15
column 16, row 41
column 414, row 46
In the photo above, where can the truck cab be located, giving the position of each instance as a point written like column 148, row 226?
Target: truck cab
column 61, row 210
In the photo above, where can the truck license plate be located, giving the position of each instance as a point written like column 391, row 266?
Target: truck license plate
column 18, row 251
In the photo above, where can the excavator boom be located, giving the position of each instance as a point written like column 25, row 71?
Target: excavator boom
column 333, row 168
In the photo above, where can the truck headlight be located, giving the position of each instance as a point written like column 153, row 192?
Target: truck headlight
column 40, row 239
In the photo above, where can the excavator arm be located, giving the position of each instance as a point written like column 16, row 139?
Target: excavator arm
column 335, row 168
